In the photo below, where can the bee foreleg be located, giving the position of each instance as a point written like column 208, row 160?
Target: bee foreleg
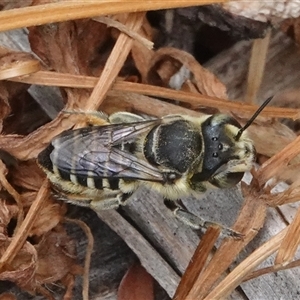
column 196, row 222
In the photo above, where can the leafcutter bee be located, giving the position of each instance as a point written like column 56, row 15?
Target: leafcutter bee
column 101, row 166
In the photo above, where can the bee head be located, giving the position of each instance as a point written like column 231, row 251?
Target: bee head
column 228, row 152
column 226, row 159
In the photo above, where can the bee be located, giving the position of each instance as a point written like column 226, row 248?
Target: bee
column 177, row 155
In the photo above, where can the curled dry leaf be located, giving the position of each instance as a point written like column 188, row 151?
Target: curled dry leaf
column 206, row 82
column 136, row 284
column 22, row 269
column 142, row 58
column 7, row 212
column 292, row 28
column 56, row 246
column 7, row 296
column 7, row 4
column 75, row 47
column 50, row 216
column 14, row 64
column 28, row 147
column 4, row 108
column 27, row 175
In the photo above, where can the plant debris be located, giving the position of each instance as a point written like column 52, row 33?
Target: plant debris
column 109, row 63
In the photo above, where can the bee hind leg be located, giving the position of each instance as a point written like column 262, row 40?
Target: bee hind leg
column 103, row 201
column 196, row 222
column 109, row 202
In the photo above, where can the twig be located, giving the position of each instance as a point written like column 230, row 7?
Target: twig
column 89, row 251
column 134, row 35
column 114, row 63
column 74, row 9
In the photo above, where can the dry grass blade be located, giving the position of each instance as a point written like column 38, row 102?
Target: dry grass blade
column 290, row 242
column 197, row 263
column 23, row 231
column 236, row 276
column 20, row 68
column 134, row 35
column 272, row 269
column 256, row 67
column 197, row 100
column 115, row 62
column 74, row 9
column 250, row 220
column 272, row 166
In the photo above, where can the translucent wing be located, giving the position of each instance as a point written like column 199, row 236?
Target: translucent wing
column 104, row 152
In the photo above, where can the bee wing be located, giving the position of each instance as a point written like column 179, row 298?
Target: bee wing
column 96, row 152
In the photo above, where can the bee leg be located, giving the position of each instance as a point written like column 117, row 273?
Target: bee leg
column 101, row 202
column 109, row 202
column 196, row 222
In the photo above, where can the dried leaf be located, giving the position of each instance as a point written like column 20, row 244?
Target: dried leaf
column 51, row 214
column 206, row 82
column 22, row 269
column 136, row 284
column 7, row 212
column 55, row 246
column 7, row 296
column 27, row 175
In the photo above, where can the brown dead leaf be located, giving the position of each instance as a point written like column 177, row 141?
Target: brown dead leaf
column 56, row 247
column 53, row 44
column 76, row 47
column 292, row 28
column 8, row 4
column 5, row 107
column 50, row 216
column 33, row 266
column 22, row 269
column 27, row 175
column 7, row 212
column 28, row 147
column 142, row 55
column 137, row 284
column 206, row 82
column 7, row 296
column 11, row 191
column 14, row 64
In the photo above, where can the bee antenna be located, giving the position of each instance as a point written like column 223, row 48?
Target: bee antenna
column 240, row 132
